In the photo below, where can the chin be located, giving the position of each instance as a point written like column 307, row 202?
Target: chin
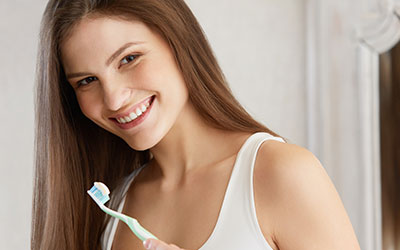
column 142, row 144
column 139, row 147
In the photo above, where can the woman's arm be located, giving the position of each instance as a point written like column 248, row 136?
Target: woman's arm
column 306, row 210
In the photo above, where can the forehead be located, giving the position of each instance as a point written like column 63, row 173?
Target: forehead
column 101, row 36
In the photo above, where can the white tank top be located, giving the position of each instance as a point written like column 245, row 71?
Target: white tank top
column 237, row 226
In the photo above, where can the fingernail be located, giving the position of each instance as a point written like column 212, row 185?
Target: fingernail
column 147, row 244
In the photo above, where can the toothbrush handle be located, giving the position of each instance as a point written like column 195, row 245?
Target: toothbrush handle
column 133, row 224
column 138, row 230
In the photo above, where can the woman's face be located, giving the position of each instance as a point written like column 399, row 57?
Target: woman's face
column 125, row 78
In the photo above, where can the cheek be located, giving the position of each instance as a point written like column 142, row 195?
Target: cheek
column 168, row 77
column 88, row 105
column 175, row 84
column 145, row 77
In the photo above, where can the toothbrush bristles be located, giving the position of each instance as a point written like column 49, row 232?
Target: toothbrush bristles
column 98, row 194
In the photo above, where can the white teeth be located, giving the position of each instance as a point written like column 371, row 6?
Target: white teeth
column 133, row 116
column 127, row 119
column 138, row 111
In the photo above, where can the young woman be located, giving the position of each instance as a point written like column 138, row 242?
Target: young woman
column 129, row 93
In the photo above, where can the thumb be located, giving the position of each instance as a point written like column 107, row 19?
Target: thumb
column 154, row 244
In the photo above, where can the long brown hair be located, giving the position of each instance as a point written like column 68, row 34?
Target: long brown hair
column 71, row 152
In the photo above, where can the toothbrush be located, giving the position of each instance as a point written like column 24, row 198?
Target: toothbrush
column 100, row 194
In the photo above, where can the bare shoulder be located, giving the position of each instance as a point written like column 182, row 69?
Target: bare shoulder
column 297, row 204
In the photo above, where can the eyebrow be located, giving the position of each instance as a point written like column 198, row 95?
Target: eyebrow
column 109, row 60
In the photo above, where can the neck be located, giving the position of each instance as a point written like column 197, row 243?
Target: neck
column 191, row 146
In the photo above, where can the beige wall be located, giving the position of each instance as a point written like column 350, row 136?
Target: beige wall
column 19, row 23
column 261, row 48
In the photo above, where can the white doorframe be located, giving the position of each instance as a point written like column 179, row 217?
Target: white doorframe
column 353, row 161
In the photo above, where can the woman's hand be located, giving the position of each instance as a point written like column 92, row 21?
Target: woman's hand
column 154, row 244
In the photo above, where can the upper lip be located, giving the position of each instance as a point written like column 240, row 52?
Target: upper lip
column 131, row 109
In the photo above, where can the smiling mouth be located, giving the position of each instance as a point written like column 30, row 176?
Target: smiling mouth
column 135, row 114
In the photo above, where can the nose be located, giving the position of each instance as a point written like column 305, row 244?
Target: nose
column 115, row 94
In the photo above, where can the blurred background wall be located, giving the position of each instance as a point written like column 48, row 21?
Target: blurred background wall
column 19, row 26
column 305, row 68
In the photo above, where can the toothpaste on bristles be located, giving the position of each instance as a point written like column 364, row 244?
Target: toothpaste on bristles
column 99, row 192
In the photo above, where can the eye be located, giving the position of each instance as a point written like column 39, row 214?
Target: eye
column 128, row 59
column 86, row 81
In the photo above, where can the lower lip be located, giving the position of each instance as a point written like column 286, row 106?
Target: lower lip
column 138, row 120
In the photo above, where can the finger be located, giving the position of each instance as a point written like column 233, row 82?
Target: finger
column 153, row 244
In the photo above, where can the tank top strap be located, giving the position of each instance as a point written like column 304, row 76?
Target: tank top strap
column 237, row 218
column 241, row 181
